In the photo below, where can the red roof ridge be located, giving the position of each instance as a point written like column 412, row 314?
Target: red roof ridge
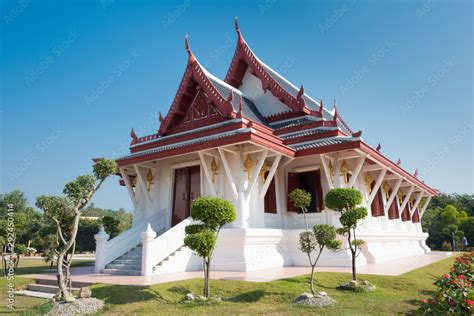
column 197, row 72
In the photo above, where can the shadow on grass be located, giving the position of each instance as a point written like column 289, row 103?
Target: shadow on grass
column 41, row 309
column 179, row 290
column 120, row 294
column 425, row 293
column 248, row 297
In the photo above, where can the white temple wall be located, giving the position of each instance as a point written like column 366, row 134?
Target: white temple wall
column 259, row 240
column 253, row 215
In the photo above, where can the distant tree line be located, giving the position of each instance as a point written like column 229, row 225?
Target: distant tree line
column 35, row 232
column 448, row 219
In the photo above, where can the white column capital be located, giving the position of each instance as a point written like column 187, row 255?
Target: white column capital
column 148, row 234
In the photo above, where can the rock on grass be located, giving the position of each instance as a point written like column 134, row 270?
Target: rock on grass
column 319, row 300
column 79, row 306
column 361, row 287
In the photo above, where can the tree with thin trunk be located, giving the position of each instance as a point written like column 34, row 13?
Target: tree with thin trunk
column 301, row 199
column 322, row 236
column 65, row 212
column 213, row 214
column 345, row 201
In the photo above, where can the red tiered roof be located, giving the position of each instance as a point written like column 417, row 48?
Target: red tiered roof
column 208, row 112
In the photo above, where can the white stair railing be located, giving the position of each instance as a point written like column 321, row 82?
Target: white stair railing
column 158, row 249
column 117, row 246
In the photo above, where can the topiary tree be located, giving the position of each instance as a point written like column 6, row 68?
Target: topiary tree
column 65, row 212
column 322, row 236
column 301, row 199
column 111, row 225
column 345, row 201
column 213, row 214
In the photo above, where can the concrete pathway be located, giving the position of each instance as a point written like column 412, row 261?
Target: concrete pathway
column 394, row 268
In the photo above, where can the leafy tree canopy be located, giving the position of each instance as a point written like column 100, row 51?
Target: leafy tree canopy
column 300, row 198
column 213, row 212
column 343, row 199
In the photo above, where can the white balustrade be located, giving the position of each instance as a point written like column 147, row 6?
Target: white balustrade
column 109, row 250
column 156, row 250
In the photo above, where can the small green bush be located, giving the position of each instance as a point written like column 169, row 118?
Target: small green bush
column 446, row 246
column 343, row 199
column 213, row 212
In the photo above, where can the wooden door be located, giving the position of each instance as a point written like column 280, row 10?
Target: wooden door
column 195, row 184
column 180, row 199
column 187, row 187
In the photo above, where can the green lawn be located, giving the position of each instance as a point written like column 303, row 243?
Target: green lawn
column 28, row 305
column 394, row 295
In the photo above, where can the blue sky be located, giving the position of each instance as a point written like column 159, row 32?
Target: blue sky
column 75, row 78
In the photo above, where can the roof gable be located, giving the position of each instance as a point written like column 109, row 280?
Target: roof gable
column 195, row 79
column 244, row 61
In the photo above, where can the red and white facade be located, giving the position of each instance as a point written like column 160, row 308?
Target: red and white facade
column 251, row 139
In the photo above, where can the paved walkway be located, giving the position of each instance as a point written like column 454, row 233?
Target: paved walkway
column 394, row 267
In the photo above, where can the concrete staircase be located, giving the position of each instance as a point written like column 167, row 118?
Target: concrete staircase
column 130, row 263
column 161, row 267
column 47, row 288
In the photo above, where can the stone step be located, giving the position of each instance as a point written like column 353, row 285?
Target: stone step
column 124, row 266
column 126, row 261
column 54, row 282
column 35, row 294
column 120, row 272
column 130, row 257
column 46, row 288
column 134, row 252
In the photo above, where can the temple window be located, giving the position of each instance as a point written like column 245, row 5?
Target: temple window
column 309, row 181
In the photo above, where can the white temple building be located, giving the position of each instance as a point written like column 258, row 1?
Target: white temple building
column 251, row 139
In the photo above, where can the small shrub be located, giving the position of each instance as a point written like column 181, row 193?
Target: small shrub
column 446, row 246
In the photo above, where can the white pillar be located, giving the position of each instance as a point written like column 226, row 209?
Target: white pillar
column 100, row 240
column 242, row 210
column 147, row 238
